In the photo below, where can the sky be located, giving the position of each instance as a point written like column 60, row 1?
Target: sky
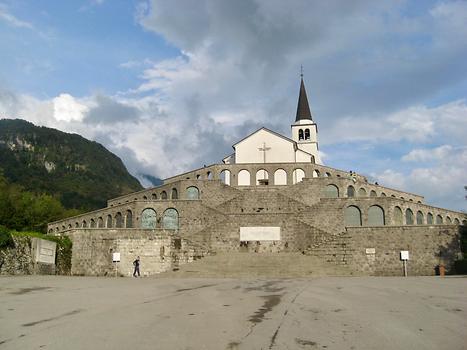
column 169, row 86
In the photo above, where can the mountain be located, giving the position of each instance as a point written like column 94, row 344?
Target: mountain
column 150, row 180
column 82, row 174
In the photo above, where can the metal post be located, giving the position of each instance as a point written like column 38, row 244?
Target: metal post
column 405, row 268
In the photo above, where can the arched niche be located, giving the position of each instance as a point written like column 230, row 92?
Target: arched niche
column 352, row 216
column 297, row 176
column 372, row 193
column 148, row 219
column 376, row 216
column 362, row 192
column 174, row 194
column 163, row 195
column 315, row 173
column 331, row 191
column 409, row 217
column 225, row 176
column 398, row 220
column 262, row 177
column 243, row 178
column 118, row 220
column 100, row 222
column 429, row 219
column 170, row 219
column 439, row 220
column 129, row 219
column 280, row 177
column 192, row 193
column 420, row 218
column 350, row 191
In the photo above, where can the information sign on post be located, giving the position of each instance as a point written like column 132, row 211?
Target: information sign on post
column 116, row 257
column 405, row 258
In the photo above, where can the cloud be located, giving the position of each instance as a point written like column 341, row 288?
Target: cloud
column 11, row 20
column 428, row 155
column 108, row 110
column 67, row 108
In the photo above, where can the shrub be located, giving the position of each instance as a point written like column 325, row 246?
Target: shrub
column 6, row 241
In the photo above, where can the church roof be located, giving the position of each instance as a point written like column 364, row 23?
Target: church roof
column 303, row 109
column 268, row 130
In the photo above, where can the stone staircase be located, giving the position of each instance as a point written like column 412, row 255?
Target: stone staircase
column 254, row 265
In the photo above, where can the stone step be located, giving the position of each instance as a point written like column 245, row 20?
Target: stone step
column 235, row 264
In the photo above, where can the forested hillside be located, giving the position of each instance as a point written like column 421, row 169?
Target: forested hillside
column 77, row 173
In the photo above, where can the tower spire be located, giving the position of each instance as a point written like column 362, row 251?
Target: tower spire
column 303, row 109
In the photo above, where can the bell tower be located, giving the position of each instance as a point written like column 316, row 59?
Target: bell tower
column 305, row 130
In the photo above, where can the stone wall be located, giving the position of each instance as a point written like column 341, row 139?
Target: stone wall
column 159, row 251
column 428, row 246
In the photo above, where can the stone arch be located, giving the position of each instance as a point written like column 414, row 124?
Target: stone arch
column 57, row 229
column 174, row 194
column 398, row 216
column 69, row 226
column 129, row 219
column 225, row 176
column 331, row 191
column 118, row 220
column 315, row 173
column 170, row 219
column 148, row 219
column 51, row 230
column 92, row 224
column 109, row 221
column 154, row 196
column 448, row 220
column 307, row 134
column 376, row 216
column 350, row 191
column 297, row 175
column 393, row 195
column 163, row 195
column 439, row 220
column 84, row 224
column 456, row 221
column 383, row 194
column 410, row 200
column 420, row 218
column 429, row 219
column 63, row 228
column 409, row 217
column 464, row 222
column 100, row 222
column 362, row 192
column 192, row 193
column 243, row 178
column 76, row 224
column 352, row 216
column 262, row 177
column 145, row 198
column 373, row 193
column 327, row 174
column 198, row 176
column 280, row 177
column 209, row 175
column 300, row 134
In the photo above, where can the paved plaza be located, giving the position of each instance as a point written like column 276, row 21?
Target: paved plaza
column 53, row 312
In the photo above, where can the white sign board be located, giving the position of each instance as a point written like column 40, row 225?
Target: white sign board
column 260, row 233
column 370, row 251
column 404, row 255
column 116, row 257
column 43, row 251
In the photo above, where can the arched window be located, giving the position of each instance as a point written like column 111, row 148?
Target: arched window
column 170, row 219
column 409, row 217
column 154, row 196
column 352, row 216
column 331, row 191
column 174, row 193
column 419, row 218
column 84, row 224
column 118, row 220
column 262, row 177
column 100, row 222
column 307, row 134
column 243, row 178
column 148, row 219
column 315, row 173
column 109, row 221
column 163, row 195
column 297, row 176
column 145, row 198
column 439, row 220
column 372, row 193
column 300, row 134
column 429, row 219
column 456, row 221
column 129, row 219
column 393, row 196
column 350, row 191
column 209, row 175
column 448, row 220
column 362, row 192
column 192, row 193
column 76, row 224
column 198, row 177
column 93, row 223
column 383, row 194
column 69, row 226
column 280, row 177
column 225, row 176
column 376, row 216
column 398, row 216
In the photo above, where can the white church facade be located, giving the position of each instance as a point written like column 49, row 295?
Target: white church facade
column 271, row 197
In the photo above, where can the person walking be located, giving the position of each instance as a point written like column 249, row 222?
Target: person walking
column 136, row 265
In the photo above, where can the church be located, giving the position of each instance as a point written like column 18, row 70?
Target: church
column 271, row 208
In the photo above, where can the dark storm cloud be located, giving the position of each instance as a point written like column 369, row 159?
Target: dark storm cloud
column 109, row 111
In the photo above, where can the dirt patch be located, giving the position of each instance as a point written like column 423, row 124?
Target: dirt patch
column 270, row 302
column 22, row 291
column 74, row 312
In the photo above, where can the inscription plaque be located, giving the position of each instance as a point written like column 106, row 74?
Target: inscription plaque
column 260, row 233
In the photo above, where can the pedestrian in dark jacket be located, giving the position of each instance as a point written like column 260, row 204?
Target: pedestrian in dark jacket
column 136, row 265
